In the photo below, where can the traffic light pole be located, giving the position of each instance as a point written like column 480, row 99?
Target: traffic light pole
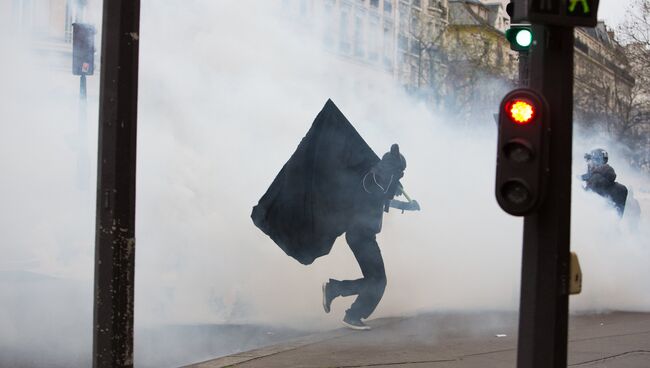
column 83, row 163
column 82, row 88
column 544, row 304
column 115, row 227
column 523, row 69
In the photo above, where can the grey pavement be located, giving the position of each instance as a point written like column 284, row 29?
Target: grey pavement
column 454, row 340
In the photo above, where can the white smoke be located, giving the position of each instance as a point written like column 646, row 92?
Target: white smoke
column 46, row 212
column 227, row 90
column 613, row 252
column 263, row 81
column 218, row 129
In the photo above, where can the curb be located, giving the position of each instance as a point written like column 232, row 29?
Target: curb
column 246, row 356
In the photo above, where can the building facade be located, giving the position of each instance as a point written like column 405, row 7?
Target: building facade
column 603, row 83
column 46, row 24
column 481, row 64
column 401, row 38
column 453, row 53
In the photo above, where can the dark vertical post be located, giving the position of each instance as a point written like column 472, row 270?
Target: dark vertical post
column 83, row 162
column 115, row 228
column 543, row 316
column 82, row 88
column 523, row 69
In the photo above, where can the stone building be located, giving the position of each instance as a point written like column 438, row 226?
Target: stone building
column 477, row 49
column 453, row 53
column 401, row 38
column 420, row 36
column 603, row 82
column 481, row 64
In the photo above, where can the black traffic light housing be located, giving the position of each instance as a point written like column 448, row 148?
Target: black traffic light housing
column 522, row 156
column 83, row 49
column 570, row 13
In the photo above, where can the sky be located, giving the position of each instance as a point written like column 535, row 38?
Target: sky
column 613, row 11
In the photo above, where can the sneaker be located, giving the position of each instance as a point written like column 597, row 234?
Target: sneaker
column 327, row 298
column 355, row 324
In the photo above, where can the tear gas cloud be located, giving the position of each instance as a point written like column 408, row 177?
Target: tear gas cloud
column 46, row 212
column 227, row 90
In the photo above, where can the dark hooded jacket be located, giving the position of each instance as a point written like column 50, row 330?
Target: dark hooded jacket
column 602, row 180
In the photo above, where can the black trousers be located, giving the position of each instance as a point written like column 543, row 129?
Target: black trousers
column 370, row 288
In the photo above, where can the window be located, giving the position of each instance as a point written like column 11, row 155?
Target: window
column 403, row 17
column 413, row 75
column 388, row 6
column 67, row 36
column 417, row 3
column 374, row 3
column 373, row 39
column 388, row 46
column 415, row 47
column 402, row 42
column 415, row 22
column 358, row 36
column 329, row 27
column 344, row 38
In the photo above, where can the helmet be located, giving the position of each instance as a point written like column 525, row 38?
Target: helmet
column 597, row 156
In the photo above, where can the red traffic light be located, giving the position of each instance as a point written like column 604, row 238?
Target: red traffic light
column 522, row 151
column 520, row 111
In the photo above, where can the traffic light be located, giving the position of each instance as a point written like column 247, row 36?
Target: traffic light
column 520, row 37
column 522, row 156
column 571, row 13
column 83, row 49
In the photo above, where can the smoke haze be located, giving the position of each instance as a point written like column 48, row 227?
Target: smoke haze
column 227, row 90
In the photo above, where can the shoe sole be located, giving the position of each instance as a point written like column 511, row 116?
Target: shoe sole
column 358, row 328
column 324, row 288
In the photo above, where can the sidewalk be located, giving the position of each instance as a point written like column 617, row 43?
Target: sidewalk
column 472, row 340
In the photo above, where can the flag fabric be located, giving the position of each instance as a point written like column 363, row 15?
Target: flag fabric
column 312, row 199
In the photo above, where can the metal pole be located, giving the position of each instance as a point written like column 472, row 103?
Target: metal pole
column 543, row 316
column 115, row 227
column 83, row 162
column 82, row 89
column 523, row 69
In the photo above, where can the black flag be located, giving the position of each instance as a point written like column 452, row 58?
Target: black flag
column 311, row 200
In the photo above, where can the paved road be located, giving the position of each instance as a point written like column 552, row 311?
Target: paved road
column 472, row 340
